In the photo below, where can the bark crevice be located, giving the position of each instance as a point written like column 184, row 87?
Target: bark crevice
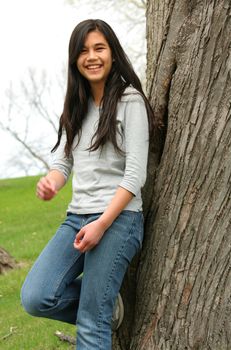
column 183, row 281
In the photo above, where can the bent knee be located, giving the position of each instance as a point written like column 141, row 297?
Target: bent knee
column 33, row 301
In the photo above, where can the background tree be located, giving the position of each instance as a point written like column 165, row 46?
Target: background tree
column 29, row 114
column 183, row 293
column 30, row 117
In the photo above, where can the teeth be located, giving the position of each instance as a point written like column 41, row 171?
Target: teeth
column 93, row 67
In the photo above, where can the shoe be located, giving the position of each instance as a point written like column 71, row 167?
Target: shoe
column 118, row 313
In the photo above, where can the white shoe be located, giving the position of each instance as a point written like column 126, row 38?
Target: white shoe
column 118, row 313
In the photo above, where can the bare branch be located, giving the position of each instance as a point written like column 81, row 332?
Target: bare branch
column 25, row 145
column 22, row 114
column 35, row 96
column 65, row 338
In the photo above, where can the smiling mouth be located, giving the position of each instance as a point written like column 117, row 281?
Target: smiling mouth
column 94, row 66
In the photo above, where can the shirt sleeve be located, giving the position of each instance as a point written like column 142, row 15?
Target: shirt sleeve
column 136, row 133
column 60, row 162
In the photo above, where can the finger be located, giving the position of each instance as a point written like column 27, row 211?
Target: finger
column 44, row 196
column 80, row 243
column 80, row 246
column 80, row 235
column 84, row 246
column 88, row 247
column 40, row 194
column 51, row 185
column 46, row 185
column 45, row 193
column 41, row 188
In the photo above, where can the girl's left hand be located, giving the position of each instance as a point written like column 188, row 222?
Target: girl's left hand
column 89, row 236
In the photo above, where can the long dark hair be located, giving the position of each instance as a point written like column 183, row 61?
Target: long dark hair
column 78, row 89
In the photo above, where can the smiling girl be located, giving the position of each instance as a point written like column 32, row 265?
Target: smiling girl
column 103, row 139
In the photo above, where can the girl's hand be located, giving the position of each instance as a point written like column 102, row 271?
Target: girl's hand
column 46, row 188
column 89, row 236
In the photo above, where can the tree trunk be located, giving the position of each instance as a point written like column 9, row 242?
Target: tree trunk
column 183, row 282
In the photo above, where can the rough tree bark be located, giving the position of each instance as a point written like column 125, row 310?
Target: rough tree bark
column 183, row 297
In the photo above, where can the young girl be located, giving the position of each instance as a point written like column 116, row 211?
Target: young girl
column 103, row 138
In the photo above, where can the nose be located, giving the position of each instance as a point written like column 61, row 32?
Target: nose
column 91, row 55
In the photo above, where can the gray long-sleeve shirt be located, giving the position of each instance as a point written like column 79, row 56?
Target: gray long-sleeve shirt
column 97, row 174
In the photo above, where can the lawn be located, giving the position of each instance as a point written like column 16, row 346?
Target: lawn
column 26, row 224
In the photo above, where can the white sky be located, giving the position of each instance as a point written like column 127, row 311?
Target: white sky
column 35, row 33
column 28, row 34
column 32, row 34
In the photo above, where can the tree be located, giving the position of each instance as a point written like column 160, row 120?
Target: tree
column 183, row 280
column 30, row 118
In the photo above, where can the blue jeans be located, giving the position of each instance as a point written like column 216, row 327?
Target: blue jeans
column 56, row 288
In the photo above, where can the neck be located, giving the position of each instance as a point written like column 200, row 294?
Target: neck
column 97, row 93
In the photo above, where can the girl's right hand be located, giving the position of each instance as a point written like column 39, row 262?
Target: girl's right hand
column 46, row 188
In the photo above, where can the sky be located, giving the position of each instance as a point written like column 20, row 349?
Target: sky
column 35, row 34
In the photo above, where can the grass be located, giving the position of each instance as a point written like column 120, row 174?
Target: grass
column 26, row 225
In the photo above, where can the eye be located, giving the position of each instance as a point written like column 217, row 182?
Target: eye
column 83, row 50
column 100, row 48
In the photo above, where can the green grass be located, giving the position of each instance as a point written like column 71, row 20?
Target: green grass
column 26, row 225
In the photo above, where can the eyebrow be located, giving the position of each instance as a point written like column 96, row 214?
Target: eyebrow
column 98, row 44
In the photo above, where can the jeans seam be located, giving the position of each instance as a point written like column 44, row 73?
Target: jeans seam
column 69, row 267
column 58, row 299
column 99, row 322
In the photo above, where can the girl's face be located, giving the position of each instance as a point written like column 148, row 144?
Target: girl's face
column 95, row 59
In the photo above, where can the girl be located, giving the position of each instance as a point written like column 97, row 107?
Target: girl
column 103, row 138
